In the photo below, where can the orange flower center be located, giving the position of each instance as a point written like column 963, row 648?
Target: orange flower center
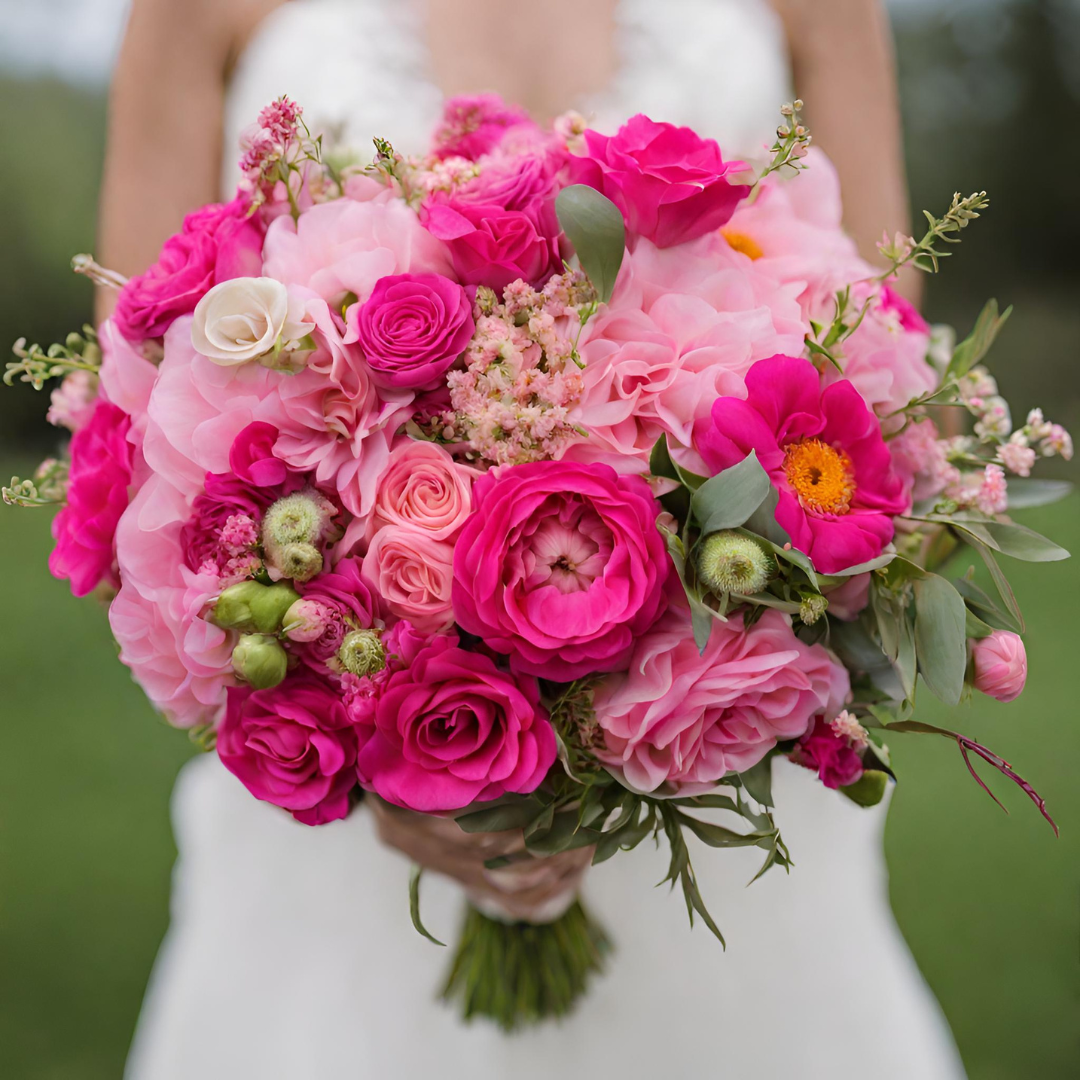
column 741, row 242
column 820, row 475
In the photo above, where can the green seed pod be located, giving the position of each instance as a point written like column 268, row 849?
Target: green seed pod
column 260, row 661
column 268, row 607
column 362, row 652
column 233, row 608
column 730, row 563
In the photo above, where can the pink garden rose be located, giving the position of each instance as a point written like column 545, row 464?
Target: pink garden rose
column 670, row 184
column 1000, row 663
column 413, row 573
column 412, row 328
column 452, row 729
column 830, row 754
column 825, row 454
column 216, row 243
column 97, row 494
column 474, row 125
column 292, row 746
column 560, row 565
column 686, row 719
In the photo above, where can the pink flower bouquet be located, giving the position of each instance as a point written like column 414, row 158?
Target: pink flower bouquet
column 553, row 482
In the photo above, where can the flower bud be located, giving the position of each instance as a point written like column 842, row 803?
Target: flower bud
column 306, row 620
column 730, row 563
column 811, row 608
column 295, row 519
column 1000, row 665
column 362, row 652
column 260, row 661
column 250, row 606
column 301, row 562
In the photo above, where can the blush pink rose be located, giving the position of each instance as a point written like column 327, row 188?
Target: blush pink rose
column 453, row 729
column 412, row 328
column 293, row 746
column 423, row 488
column 216, row 243
column 1000, row 663
column 830, row 755
column 686, row 719
column 474, row 125
column 670, row 184
column 413, row 573
column 560, row 565
column 97, row 495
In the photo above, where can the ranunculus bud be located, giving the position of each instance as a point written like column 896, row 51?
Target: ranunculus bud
column 730, row 563
column 811, row 608
column 306, row 620
column 250, row 606
column 1000, row 663
column 300, row 562
column 232, row 611
column 260, row 660
column 362, row 652
column 291, row 529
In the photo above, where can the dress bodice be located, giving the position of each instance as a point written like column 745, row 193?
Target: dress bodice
column 361, row 68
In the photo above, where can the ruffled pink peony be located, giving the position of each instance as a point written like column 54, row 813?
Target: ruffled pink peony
column 685, row 719
column 452, row 729
column 474, row 125
column 830, row 754
column 561, row 565
column 670, row 184
column 824, row 453
column 343, row 247
column 126, row 378
column 292, row 746
column 411, row 329
column 216, row 243
column 413, row 573
column 1000, row 663
column 97, row 494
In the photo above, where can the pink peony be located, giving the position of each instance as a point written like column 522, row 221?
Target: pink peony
column 491, row 246
column 561, row 565
column 413, row 573
column 670, row 184
column 824, row 453
column 452, row 729
column 292, row 746
column 831, row 754
column 411, row 329
column 216, row 243
column 1000, row 663
column 126, row 378
column 97, row 494
column 686, row 719
column 474, row 125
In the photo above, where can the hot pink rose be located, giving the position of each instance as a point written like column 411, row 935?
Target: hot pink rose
column 686, row 719
column 413, row 573
column 292, row 746
column 825, row 454
column 411, row 328
column 561, row 565
column 216, row 243
column 1000, row 662
column 830, row 754
column 452, row 729
column 670, row 184
column 474, row 125
column 491, row 246
column 97, row 494
column 423, row 488
column 525, row 182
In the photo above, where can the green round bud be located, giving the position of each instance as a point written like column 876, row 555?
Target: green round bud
column 295, row 519
column 260, row 660
column 268, row 606
column 300, row 562
column 869, row 789
column 730, row 563
column 362, row 652
column 812, row 607
column 232, row 611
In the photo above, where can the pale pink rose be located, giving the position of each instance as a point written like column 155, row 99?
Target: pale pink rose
column 423, row 488
column 413, row 573
column 343, row 247
column 1000, row 662
column 684, row 719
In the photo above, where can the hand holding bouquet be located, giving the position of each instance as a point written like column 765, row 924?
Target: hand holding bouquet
column 548, row 486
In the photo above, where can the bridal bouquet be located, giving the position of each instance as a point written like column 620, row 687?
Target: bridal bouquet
column 554, row 482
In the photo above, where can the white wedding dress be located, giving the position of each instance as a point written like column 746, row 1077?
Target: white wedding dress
column 291, row 955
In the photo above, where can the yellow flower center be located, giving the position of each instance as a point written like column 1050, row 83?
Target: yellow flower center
column 820, row 475
column 741, row 242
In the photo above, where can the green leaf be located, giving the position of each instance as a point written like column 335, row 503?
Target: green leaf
column 940, row 637
column 977, row 344
column 660, row 462
column 757, row 781
column 1023, row 543
column 717, row 836
column 513, row 814
column 726, row 500
column 1024, row 492
column 1001, row 582
column 859, row 568
column 982, row 607
column 869, row 789
column 415, row 875
column 762, row 522
column 595, row 228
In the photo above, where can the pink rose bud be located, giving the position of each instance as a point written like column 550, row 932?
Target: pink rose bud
column 1000, row 665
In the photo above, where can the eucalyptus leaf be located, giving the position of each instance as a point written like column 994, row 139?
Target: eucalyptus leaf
column 594, row 226
column 726, row 500
column 940, row 637
column 1001, row 582
column 762, row 522
column 415, row 875
column 982, row 607
column 1023, row 543
column 1024, row 492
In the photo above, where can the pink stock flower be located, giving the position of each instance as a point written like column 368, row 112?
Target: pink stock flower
column 1000, row 663
column 1017, row 458
column 920, row 459
column 97, row 494
column 560, row 565
column 830, row 753
column 824, row 453
column 686, row 719
column 71, row 404
column 292, row 746
column 474, row 125
column 216, row 243
column 670, row 184
column 452, row 729
column 412, row 328
column 992, row 496
column 413, row 573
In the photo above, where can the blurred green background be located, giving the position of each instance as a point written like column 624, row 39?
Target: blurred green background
column 990, row 904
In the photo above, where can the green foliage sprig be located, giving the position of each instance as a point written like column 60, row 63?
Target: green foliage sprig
column 80, row 352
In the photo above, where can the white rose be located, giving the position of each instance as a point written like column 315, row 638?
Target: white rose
column 248, row 318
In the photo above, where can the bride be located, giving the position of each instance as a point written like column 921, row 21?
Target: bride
column 291, row 953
